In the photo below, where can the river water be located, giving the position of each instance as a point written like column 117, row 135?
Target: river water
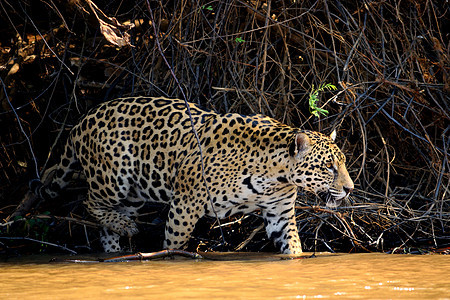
column 235, row 276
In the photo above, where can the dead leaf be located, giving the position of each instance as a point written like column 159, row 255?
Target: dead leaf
column 114, row 35
column 112, row 30
column 14, row 69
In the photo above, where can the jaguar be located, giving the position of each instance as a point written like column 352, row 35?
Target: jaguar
column 200, row 163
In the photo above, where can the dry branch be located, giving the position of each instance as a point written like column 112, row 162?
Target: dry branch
column 390, row 60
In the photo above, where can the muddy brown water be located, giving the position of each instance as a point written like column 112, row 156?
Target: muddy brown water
column 232, row 276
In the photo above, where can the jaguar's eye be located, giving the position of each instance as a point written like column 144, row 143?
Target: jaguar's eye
column 330, row 166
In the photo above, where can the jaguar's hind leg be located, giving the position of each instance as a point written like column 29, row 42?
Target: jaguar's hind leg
column 110, row 241
column 112, row 219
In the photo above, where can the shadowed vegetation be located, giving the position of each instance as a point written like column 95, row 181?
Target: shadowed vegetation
column 389, row 62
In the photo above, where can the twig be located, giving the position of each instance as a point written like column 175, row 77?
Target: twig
column 38, row 241
column 134, row 257
column 250, row 237
column 194, row 131
column 21, row 129
column 68, row 219
column 45, row 41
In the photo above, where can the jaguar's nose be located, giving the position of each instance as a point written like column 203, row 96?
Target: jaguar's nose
column 347, row 190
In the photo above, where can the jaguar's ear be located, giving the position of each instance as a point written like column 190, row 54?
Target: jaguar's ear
column 299, row 145
column 333, row 135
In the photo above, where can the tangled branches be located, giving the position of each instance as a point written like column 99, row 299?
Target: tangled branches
column 389, row 61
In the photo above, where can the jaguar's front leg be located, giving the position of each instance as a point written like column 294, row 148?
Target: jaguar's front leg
column 183, row 216
column 281, row 228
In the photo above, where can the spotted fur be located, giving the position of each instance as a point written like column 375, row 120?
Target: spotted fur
column 140, row 149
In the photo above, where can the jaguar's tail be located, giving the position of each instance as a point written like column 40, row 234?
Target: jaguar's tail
column 55, row 181
column 35, row 186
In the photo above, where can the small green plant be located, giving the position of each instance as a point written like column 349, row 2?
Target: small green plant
column 239, row 40
column 209, row 7
column 314, row 97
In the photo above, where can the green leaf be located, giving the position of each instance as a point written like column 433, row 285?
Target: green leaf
column 322, row 111
column 314, row 97
column 239, row 40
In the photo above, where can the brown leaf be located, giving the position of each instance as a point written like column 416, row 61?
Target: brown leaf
column 114, row 35
column 113, row 31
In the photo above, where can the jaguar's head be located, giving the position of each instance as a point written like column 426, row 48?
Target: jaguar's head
column 319, row 166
